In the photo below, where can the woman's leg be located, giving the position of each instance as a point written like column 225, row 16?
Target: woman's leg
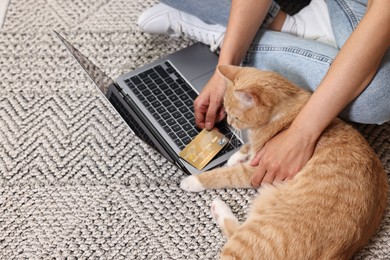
column 303, row 61
column 306, row 62
column 344, row 16
column 373, row 105
column 216, row 12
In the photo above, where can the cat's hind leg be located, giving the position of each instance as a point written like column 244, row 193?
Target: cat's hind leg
column 224, row 216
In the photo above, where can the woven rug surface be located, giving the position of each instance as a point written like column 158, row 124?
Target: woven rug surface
column 74, row 181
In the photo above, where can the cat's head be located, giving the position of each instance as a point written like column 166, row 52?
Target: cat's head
column 255, row 97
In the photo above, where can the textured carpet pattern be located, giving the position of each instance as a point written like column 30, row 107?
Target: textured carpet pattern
column 74, row 181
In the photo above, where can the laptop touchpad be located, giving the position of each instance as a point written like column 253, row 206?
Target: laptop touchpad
column 201, row 81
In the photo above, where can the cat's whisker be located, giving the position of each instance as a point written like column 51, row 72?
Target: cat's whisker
column 239, row 131
column 234, row 132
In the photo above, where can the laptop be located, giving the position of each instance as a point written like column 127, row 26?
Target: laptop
column 156, row 101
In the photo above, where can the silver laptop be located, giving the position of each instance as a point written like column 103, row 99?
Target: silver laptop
column 156, row 100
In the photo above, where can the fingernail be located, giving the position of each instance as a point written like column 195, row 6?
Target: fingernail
column 209, row 126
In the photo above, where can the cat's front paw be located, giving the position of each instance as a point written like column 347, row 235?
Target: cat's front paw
column 237, row 158
column 191, row 183
column 221, row 211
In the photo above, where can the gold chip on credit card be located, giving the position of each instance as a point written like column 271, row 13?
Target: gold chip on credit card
column 202, row 149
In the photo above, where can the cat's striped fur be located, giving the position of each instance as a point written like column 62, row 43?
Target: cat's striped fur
column 329, row 210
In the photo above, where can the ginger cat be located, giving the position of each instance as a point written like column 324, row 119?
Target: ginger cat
column 329, row 210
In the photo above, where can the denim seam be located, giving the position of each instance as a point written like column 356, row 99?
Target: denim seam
column 350, row 14
column 292, row 50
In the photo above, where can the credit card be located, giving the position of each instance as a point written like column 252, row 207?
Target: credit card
column 203, row 148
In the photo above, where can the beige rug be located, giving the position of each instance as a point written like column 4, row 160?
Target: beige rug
column 74, row 181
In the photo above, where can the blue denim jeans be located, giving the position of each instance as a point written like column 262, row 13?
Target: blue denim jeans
column 304, row 61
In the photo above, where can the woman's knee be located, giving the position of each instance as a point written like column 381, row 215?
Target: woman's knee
column 372, row 106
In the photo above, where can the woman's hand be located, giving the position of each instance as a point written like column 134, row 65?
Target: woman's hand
column 208, row 107
column 245, row 19
column 282, row 157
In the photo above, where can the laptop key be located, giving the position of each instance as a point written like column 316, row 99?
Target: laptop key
column 141, row 86
column 153, row 75
column 144, row 75
column 178, row 103
column 157, row 116
column 171, row 121
column 176, row 114
column 173, row 98
column 187, row 127
column 166, row 103
column 179, row 91
column 151, row 98
column 141, row 98
column 130, row 85
column 185, row 87
column 167, row 129
column 145, row 102
column 152, row 86
column 156, row 104
column 192, row 94
column 160, row 70
column 172, row 135
column 189, row 103
column 171, row 109
column 179, row 143
column 193, row 133
column 186, row 140
column 146, row 92
column 175, row 128
column 162, row 97
column 161, row 110
column 136, row 80
column 189, row 115
column 174, row 86
column 168, row 92
column 156, row 92
column 183, row 109
column 168, row 80
column 166, row 116
column 162, row 122
column 171, row 70
column 163, row 86
column 181, row 120
column 180, row 80
column 147, row 81
column 158, row 81
column 181, row 134
column 151, row 110
column 183, row 97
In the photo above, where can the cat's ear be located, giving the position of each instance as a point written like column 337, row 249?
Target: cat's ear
column 229, row 72
column 246, row 98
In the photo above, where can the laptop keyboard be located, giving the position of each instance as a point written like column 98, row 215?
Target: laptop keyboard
column 169, row 98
